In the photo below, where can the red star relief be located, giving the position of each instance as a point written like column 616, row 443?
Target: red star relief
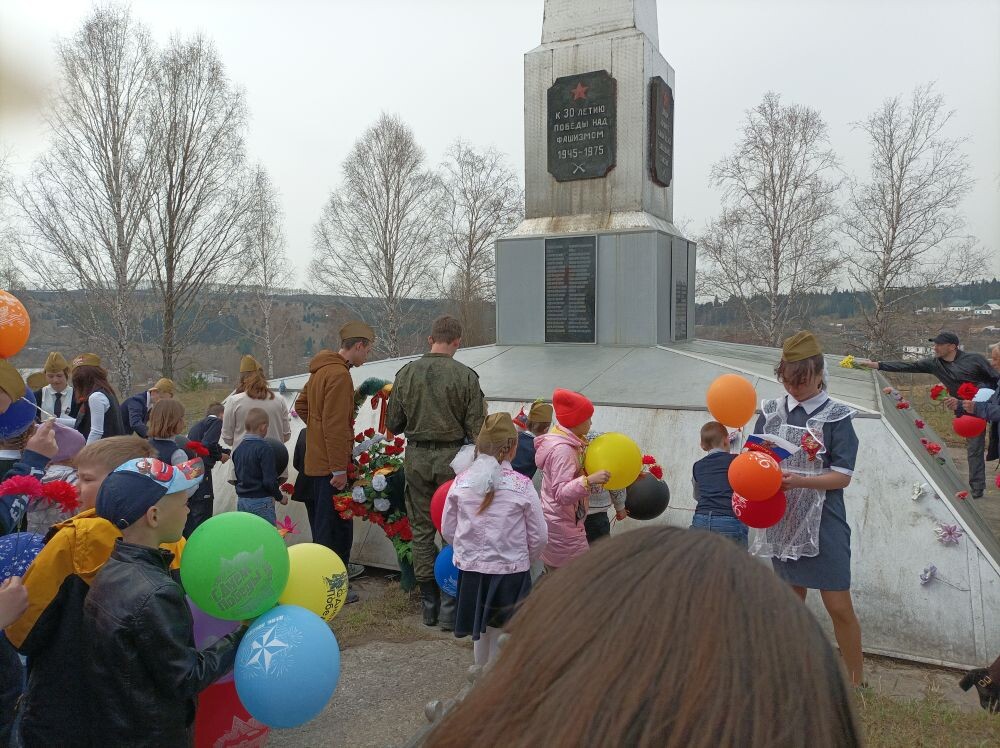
column 580, row 92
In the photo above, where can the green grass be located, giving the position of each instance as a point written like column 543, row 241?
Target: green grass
column 928, row 722
column 197, row 401
column 937, row 416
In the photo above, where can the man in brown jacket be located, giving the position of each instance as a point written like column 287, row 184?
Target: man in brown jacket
column 326, row 406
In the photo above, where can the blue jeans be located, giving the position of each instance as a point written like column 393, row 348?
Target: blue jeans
column 261, row 507
column 723, row 524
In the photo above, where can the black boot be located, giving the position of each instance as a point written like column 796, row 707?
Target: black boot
column 430, row 602
column 987, row 688
column 447, row 617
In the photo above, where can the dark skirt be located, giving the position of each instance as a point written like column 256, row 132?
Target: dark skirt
column 830, row 569
column 488, row 600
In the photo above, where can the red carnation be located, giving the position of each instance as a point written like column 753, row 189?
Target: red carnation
column 21, row 485
column 648, row 460
column 902, row 405
column 363, row 458
column 925, row 441
column 962, row 495
column 62, row 493
column 352, row 471
column 998, row 481
column 287, row 488
column 359, row 438
column 933, row 448
column 937, row 391
column 398, row 441
column 967, row 391
column 346, row 514
column 369, row 433
column 919, row 424
column 197, row 447
column 656, row 471
column 406, row 534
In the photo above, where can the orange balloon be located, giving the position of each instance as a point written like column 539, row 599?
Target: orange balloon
column 755, row 476
column 15, row 326
column 731, row 400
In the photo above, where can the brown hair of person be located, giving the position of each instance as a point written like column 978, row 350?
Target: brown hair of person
column 113, row 451
column 166, row 419
column 714, row 434
column 256, row 417
column 255, row 386
column 497, row 451
column 18, row 442
column 446, row 329
column 799, row 372
column 89, row 379
column 660, row 637
column 215, row 409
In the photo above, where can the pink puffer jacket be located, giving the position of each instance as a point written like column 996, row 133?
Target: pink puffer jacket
column 557, row 455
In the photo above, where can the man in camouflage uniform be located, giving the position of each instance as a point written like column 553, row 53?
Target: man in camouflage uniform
column 438, row 404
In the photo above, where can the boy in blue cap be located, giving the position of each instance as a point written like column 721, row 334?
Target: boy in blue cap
column 145, row 672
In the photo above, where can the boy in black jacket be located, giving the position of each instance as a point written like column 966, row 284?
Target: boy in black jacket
column 257, row 485
column 207, row 432
column 145, row 672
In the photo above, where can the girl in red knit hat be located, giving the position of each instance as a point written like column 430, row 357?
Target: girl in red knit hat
column 566, row 487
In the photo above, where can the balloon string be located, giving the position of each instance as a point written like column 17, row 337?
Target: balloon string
column 35, row 405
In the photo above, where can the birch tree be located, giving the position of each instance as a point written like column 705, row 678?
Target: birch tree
column 774, row 239
column 375, row 237
column 482, row 201
column 88, row 196
column 193, row 237
column 904, row 228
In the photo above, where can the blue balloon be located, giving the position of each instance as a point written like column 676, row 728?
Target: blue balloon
column 445, row 571
column 17, row 551
column 18, row 416
column 287, row 666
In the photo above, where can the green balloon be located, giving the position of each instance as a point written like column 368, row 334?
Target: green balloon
column 235, row 566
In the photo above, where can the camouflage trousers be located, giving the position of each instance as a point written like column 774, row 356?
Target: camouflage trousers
column 426, row 468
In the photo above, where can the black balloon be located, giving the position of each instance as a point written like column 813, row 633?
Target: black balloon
column 647, row 498
column 280, row 455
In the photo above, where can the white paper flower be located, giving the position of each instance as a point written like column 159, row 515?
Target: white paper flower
column 358, row 494
column 379, row 482
column 382, row 505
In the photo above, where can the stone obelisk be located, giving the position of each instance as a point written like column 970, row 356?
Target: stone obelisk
column 597, row 259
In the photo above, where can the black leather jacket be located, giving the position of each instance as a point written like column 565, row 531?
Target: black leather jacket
column 145, row 673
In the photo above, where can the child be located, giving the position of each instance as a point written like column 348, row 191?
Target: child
column 810, row 548
column 257, row 485
column 55, row 709
column 99, row 415
column 597, row 525
column 493, row 520
column 565, row 485
column 166, row 421
column 713, row 496
column 42, row 514
column 539, row 422
column 144, row 672
column 207, row 431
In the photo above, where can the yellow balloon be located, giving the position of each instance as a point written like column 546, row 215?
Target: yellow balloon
column 617, row 454
column 317, row 580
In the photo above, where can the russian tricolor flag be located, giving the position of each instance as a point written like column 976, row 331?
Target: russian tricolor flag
column 778, row 448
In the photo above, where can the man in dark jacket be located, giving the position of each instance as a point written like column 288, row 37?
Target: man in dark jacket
column 207, row 432
column 953, row 366
column 144, row 670
column 135, row 410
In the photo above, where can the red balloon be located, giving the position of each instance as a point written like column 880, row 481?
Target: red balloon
column 221, row 720
column 760, row 514
column 968, row 426
column 755, row 475
column 437, row 503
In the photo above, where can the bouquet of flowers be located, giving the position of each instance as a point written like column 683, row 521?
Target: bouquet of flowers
column 848, row 362
column 376, row 494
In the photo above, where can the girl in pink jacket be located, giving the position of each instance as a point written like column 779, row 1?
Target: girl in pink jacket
column 565, row 485
column 493, row 521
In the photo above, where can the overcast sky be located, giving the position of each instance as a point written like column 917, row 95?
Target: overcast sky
column 316, row 73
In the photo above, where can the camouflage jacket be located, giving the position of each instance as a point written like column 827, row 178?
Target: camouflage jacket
column 436, row 398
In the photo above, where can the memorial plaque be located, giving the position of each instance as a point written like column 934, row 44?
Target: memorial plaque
column 582, row 126
column 661, row 131
column 680, row 310
column 570, row 290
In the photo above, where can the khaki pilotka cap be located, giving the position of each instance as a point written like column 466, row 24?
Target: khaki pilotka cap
column 37, row 380
column 356, row 329
column 540, row 413
column 164, row 386
column 498, row 428
column 10, row 381
column 248, row 363
column 55, row 363
column 800, row 346
column 86, row 359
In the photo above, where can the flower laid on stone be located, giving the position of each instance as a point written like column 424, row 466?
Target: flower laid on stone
column 933, row 448
column 902, row 405
column 962, row 495
column 928, row 574
column 948, row 534
column 919, row 424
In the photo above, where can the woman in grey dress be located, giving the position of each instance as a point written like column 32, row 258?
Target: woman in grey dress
column 810, row 547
